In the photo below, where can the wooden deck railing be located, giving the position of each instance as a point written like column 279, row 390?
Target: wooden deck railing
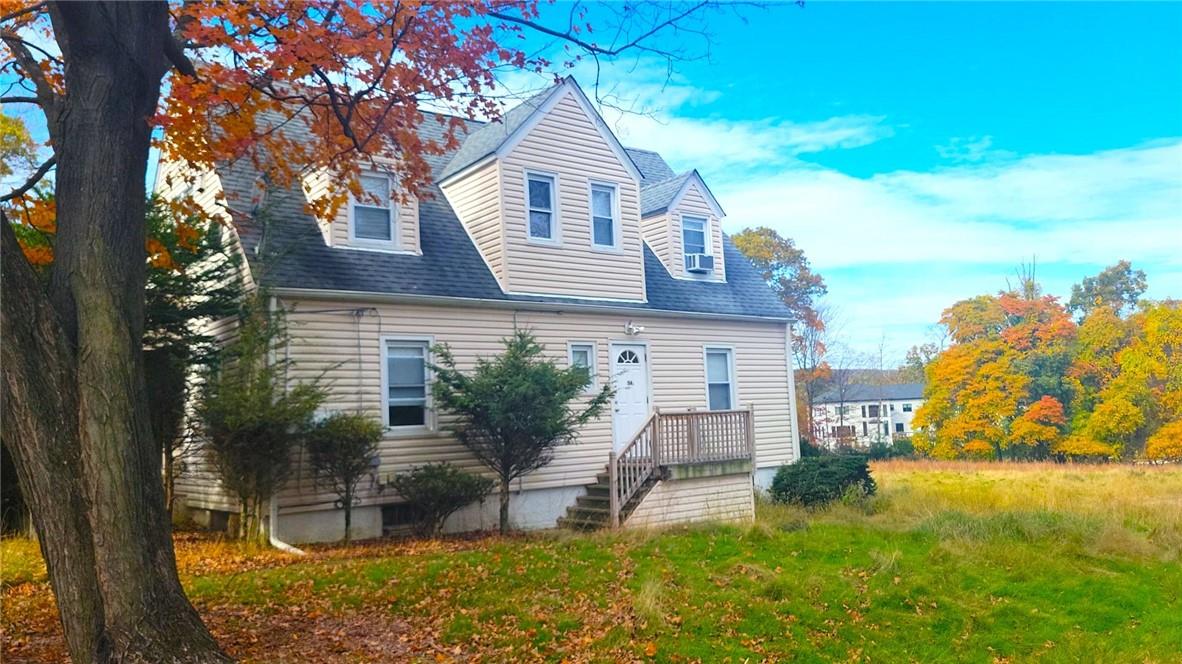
column 670, row 438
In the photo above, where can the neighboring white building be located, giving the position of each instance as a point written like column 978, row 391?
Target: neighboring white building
column 860, row 415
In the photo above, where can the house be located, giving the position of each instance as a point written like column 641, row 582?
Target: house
column 859, row 415
column 543, row 221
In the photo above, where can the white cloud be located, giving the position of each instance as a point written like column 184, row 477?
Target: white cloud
column 648, row 108
column 1092, row 208
column 971, row 149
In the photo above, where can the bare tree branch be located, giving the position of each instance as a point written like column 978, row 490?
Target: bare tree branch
column 46, row 96
column 569, row 34
column 32, row 181
column 19, row 100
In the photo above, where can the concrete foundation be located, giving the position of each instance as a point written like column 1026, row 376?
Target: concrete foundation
column 763, row 478
column 528, row 510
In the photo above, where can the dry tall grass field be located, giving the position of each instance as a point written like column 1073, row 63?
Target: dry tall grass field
column 949, row 562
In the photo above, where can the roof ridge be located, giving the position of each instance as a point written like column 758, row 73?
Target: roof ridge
column 676, row 176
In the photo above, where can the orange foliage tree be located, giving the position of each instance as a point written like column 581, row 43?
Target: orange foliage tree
column 1023, row 380
column 330, row 85
column 1001, row 385
column 787, row 270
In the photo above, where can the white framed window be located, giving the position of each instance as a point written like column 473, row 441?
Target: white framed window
column 373, row 215
column 604, row 224
column 584, row 354
column 542, row 216
column 406, row 383
column 906, row 408
column 693, row 235
column 720, row 378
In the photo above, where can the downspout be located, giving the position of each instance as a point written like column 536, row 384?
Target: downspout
column 792, row 393
column 273, row 517
column 272, row 531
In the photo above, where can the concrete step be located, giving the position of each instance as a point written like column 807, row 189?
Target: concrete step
column 579, row 524
column 593, row 501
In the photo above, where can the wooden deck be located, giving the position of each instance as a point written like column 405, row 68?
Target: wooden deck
column 672, row 438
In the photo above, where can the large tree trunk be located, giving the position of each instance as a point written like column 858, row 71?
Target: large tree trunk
column 39, row 410
column 87, row 456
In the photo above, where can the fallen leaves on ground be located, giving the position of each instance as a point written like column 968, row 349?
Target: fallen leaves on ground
column 307, row 622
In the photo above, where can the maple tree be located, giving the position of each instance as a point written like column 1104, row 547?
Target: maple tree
column 1023, row 379
column 321, row 86
column 787, row 270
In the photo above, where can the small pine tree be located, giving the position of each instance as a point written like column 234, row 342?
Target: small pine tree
column 252, row 423
column 341, row 449
column 198, row 282
column 514, row 409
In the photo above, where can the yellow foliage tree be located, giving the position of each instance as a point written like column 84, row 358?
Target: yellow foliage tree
column 1166, row 443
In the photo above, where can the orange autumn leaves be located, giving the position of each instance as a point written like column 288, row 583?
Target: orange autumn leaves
column 1024, row 380
column 331, row 88
column 34, row 220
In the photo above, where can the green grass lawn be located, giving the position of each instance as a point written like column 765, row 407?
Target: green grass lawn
column 948, row 563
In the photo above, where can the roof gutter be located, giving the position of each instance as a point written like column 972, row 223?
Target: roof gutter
column 406, row 298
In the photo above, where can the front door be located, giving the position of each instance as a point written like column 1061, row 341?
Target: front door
column 630, row 407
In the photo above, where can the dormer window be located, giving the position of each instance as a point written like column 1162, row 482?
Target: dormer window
column 372, row 215
column 603, row 216
column 693, row 235
column 540, row 194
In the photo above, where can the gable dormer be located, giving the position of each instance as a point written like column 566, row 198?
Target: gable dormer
column 376, row 220
column 682, row 223
column 552, row 200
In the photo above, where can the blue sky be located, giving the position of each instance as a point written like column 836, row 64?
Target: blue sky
column 919, row 153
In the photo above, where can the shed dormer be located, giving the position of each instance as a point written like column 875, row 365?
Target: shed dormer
column 682, row 223
column 376, row 220
column 552, row 200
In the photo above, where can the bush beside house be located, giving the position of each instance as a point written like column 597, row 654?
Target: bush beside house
column 435, row 491
column 815, row 481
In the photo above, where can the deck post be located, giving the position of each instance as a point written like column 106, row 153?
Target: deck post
column 656, row 442
column 751, row 436
column 613, row 483
column 693, row 438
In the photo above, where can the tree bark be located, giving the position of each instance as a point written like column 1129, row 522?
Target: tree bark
column 75, row 405
column 348, row 505
column 39, row 410
column 504, row 505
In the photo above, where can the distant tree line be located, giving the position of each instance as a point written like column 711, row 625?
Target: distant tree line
column 1029, row 377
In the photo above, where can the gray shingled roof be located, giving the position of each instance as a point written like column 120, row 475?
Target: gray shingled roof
column 652, row 166
column 484, row 141
column 656, row 197
column 451, row 266
column 860, row 392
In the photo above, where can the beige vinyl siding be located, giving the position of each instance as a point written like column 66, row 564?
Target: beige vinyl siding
column 658, row 233
column 476, row 199
column 566, row 145
column 315, row 184
column 197, row 483
column 346, row 348
column 670, row 502
column 694, row 204
column 176, row 181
